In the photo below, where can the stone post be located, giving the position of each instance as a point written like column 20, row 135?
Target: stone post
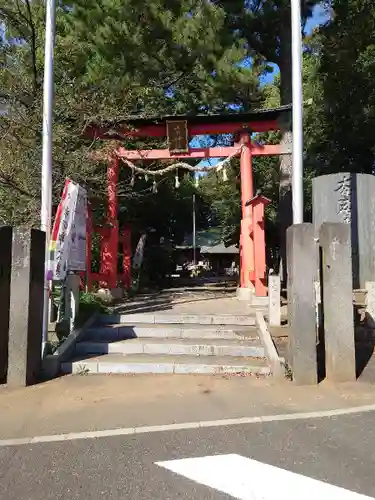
column 26, row 306
column 337, row 291
column 5, row 266
column 274, row 305
column 302, row 269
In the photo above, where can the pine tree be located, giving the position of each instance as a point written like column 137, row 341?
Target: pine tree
column 113, row 59
column 266, row 28
column 344, row 138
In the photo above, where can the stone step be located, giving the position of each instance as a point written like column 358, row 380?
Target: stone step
column 175, row 347
column 177, row 319
column 152, row 364
column 123, row 332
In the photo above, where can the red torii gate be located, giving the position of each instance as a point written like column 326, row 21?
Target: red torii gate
column 241, row 125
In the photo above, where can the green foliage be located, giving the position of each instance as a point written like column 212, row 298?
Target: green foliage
column 265, row 26
column 115, row 59
column 89, row 304
column 175, row 56
column 224, row 199
column 112, row 60
column 341, row 135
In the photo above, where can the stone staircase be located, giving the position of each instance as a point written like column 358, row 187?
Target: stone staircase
column 170, row 343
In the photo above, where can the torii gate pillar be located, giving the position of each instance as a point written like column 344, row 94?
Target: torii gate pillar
column 246, row 241
column 111, row 255
column 257, row 206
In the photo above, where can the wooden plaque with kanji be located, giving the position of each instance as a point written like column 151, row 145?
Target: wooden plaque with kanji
column 178, row 137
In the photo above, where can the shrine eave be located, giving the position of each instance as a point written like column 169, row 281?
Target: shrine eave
column 261, row 120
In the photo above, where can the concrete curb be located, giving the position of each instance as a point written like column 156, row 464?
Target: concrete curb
column 277, row 363
column 52, row 362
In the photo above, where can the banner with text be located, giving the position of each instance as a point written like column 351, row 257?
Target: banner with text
column 68, row 239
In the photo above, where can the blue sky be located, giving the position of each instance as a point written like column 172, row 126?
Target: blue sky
column 320, row 16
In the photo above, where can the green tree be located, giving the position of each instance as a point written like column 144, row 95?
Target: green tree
column 112, row 60
column 343, row 135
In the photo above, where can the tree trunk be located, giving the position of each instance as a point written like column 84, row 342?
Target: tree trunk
column 285, row 212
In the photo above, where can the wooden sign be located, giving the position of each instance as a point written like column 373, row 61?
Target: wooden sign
column 178, row 137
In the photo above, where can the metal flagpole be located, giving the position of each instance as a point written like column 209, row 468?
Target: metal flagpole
column 194, row 235
column 46, row 204
column 297, row 175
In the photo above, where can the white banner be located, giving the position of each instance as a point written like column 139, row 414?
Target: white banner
column 77, row 250
column 68, row 239
column 138, row 255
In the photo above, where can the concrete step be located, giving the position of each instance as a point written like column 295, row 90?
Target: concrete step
column 178, row 319
column 175, row 347
column 181, row 331
column 148, row 363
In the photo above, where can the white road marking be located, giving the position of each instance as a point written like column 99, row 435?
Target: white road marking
column 204, row 424
column 247, row 479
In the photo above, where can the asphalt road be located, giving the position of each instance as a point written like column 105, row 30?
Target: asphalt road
column 337, row 450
